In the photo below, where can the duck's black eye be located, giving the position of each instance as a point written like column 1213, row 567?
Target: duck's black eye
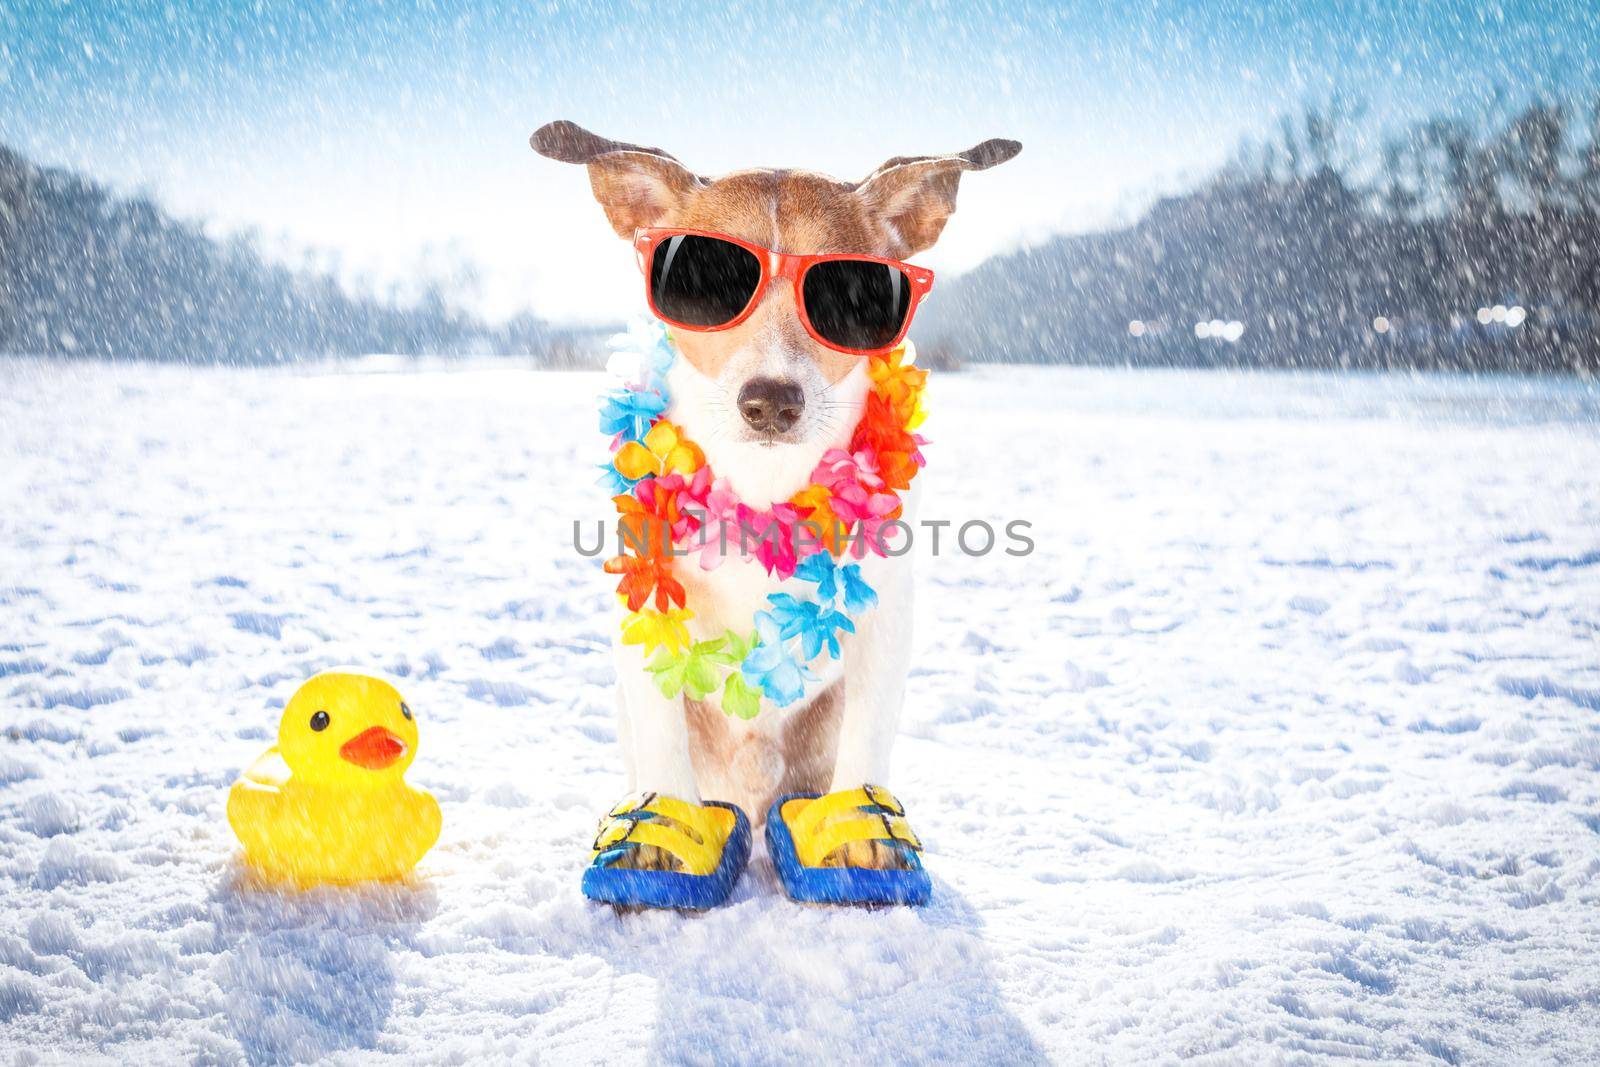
column 320, row 721
column 404, row 710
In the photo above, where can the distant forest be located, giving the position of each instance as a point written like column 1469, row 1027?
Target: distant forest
column 1455, row 244
column 1461, row 245
column 84, row 272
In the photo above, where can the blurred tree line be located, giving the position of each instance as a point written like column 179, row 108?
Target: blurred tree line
column 1319, row 247
column 86, row 273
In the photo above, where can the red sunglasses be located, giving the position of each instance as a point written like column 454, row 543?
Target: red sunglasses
column 702, row 281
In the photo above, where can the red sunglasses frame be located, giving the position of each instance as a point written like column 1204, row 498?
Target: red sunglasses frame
column 778, row 266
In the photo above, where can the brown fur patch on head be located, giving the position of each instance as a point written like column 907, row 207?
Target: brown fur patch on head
column 897, row 211
column 791, row 211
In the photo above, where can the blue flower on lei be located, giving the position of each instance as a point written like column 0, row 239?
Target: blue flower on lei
column 613, row 481
column 817, row 625
column 771, row 668
column 829, row 576
column 630, row 412
column 641, row 358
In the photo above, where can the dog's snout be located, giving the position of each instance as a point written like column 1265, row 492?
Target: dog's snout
column 770, row 405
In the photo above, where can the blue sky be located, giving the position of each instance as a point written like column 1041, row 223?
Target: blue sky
column 379, row 132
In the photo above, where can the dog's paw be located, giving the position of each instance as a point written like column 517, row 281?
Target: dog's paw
column 869, row 855
column 647, row 858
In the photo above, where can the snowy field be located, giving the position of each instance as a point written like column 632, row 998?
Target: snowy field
column 1283, row 744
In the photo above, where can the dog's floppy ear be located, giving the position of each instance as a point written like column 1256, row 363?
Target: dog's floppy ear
column 915, row 195
column 637, row 186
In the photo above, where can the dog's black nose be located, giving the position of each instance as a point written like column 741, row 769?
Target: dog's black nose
column 770, row 405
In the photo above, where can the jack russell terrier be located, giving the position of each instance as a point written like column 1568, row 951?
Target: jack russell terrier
column 776, row 285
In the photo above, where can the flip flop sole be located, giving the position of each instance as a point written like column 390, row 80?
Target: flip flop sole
column 629, row 886
column 839, row 885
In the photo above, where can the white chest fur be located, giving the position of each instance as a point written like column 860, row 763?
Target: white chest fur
column 841, row 731
column 729, row 595
column 761, row 474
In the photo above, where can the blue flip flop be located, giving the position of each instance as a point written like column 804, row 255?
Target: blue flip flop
column 804, row 829
column 710, row 843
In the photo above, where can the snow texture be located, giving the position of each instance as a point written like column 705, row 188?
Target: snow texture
column 1282, row 745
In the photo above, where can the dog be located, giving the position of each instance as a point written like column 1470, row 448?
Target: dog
column 765, row 399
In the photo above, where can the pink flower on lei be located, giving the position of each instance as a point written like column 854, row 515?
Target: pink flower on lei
column 859, row 498
column 721, row 530
column 770, row 535
column 690, row 493
column 840, row 467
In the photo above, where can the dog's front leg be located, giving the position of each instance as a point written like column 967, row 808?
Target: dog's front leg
column 654, row 732
column 876, row 660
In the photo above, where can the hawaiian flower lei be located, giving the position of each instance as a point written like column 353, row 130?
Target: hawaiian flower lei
column 668, row 499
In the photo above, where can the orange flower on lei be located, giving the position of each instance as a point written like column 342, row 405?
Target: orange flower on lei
column 645, row 529
column 900, row 385
column 883, row 431
column 664, row 450
column 643, row 575
column 815, row 504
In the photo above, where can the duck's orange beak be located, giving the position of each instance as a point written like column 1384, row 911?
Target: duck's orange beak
column 374, row 748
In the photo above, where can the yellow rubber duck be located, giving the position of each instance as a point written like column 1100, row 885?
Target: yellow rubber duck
column 329, row 802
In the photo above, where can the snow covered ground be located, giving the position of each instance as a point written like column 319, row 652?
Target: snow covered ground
column 1282, row 744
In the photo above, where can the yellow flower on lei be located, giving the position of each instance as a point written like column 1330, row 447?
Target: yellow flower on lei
column 657, row 629
column 900, row 383
column 664, row 450
column 825, row 527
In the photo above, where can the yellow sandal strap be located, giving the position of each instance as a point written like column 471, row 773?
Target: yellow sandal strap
column 879, row 827
column 701, row 823
column 818, row 811
column 697, row 857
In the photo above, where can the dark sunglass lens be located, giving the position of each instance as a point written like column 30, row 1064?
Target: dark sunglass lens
column 855, row 304
column 701, row 281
